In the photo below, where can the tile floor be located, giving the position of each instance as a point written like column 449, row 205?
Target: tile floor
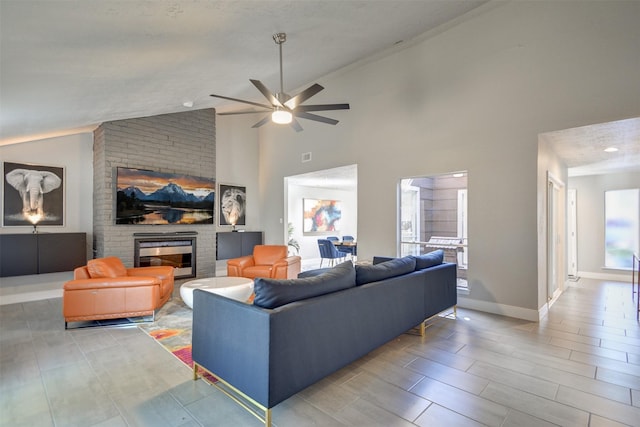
column 580, row 366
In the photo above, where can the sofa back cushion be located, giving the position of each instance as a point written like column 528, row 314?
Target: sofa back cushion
column 106, row 267
column 430, row 259
column 384, row 270
column 272, row 293
column 268, row 254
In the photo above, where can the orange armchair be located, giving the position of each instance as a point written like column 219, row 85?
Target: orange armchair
column 267, row 261
column 105, row 289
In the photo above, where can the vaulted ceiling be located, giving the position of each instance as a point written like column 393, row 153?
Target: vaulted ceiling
column 67, row 66
column 76, row 63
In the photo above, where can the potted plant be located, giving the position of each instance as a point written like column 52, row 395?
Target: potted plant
column 292, row 243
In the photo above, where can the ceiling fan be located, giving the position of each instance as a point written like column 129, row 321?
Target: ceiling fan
column 284, row 109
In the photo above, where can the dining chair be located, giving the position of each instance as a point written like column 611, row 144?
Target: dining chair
column 330, row 252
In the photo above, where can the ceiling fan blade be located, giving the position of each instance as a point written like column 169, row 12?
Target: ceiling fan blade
column 264, row 121
column 314, row 117
column 266, row 92
column 232, row 113
column 323, row 107
column 303, row 96
column 243, row 101
column 296, row 125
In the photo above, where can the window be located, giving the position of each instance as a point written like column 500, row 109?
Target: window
column 622, row 227
column 410, row 218
column 433, row 215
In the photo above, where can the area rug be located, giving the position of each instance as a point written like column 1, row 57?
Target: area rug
column 172, row 330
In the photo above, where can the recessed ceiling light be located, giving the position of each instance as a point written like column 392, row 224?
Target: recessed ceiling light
column 188, row 104
column 611, row 149
column 458, row 175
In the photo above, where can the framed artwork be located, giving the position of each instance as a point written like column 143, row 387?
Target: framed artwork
column 33, row 194
column 321, row 216
column 149, row 197
column 233, row 205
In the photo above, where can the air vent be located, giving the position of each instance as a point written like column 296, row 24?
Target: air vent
column 306, row 157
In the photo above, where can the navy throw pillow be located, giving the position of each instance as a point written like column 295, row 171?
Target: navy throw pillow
column 272, row 293
column 312, row 273
column 384, row 270
column 429, row 260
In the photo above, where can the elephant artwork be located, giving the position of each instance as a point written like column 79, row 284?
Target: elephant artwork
column 33, row 194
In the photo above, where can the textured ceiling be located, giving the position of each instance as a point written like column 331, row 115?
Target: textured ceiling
column 69, row 65
column 75, row 63
column 582, row 149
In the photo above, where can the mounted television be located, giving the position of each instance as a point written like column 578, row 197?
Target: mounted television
column 148, row 197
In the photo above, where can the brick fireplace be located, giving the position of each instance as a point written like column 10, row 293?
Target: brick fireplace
column 175, row 143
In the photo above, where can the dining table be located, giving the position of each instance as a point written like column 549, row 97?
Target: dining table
column 349, row 246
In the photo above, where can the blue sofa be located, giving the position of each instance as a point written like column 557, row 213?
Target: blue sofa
column 298, row 331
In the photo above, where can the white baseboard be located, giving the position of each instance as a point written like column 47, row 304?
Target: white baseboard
column 606, row 276
column 502, row 309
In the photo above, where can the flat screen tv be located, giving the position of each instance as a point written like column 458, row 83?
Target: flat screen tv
column 148, row 197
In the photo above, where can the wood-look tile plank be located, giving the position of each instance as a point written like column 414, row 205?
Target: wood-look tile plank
column 363, row 413
column 387, row 396
column 604, row 362
column 553, row 333
column 462, row 402
column 586, row 348
column 620, row 378
column 520, row 419
column 539, row 407
column 533, row 385
column 451, row 376
column 619, row 412
column 626, row 344
column 437, row 415
column 453, row 360
column 392, row 373
column 597, row 421
column 635, row 398
column 571, row 365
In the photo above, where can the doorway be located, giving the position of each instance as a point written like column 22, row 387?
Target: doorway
column 555, row 240
column 337, row 184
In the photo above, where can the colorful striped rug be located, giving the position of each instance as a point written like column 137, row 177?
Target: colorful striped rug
column 172, row 330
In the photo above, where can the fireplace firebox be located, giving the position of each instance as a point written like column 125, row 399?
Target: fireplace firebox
column 177, row 250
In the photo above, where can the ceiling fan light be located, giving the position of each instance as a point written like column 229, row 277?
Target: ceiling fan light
column 282, row 117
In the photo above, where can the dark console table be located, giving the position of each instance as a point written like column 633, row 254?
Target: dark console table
column 22, row 254
column 236, row 244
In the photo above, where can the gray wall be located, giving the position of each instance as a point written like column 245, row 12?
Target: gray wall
column 74, row 153
column 474, row 97
column 590, row 220
column 174, row 143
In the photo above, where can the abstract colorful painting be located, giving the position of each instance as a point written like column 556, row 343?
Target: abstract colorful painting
column 321, row 216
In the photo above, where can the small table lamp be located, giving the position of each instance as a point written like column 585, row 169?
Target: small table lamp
column 34, row 219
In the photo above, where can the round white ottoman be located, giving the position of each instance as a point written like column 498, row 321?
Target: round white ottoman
column 238, row 288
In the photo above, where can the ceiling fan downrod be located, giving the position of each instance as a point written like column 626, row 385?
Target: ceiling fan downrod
column 280, row 38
